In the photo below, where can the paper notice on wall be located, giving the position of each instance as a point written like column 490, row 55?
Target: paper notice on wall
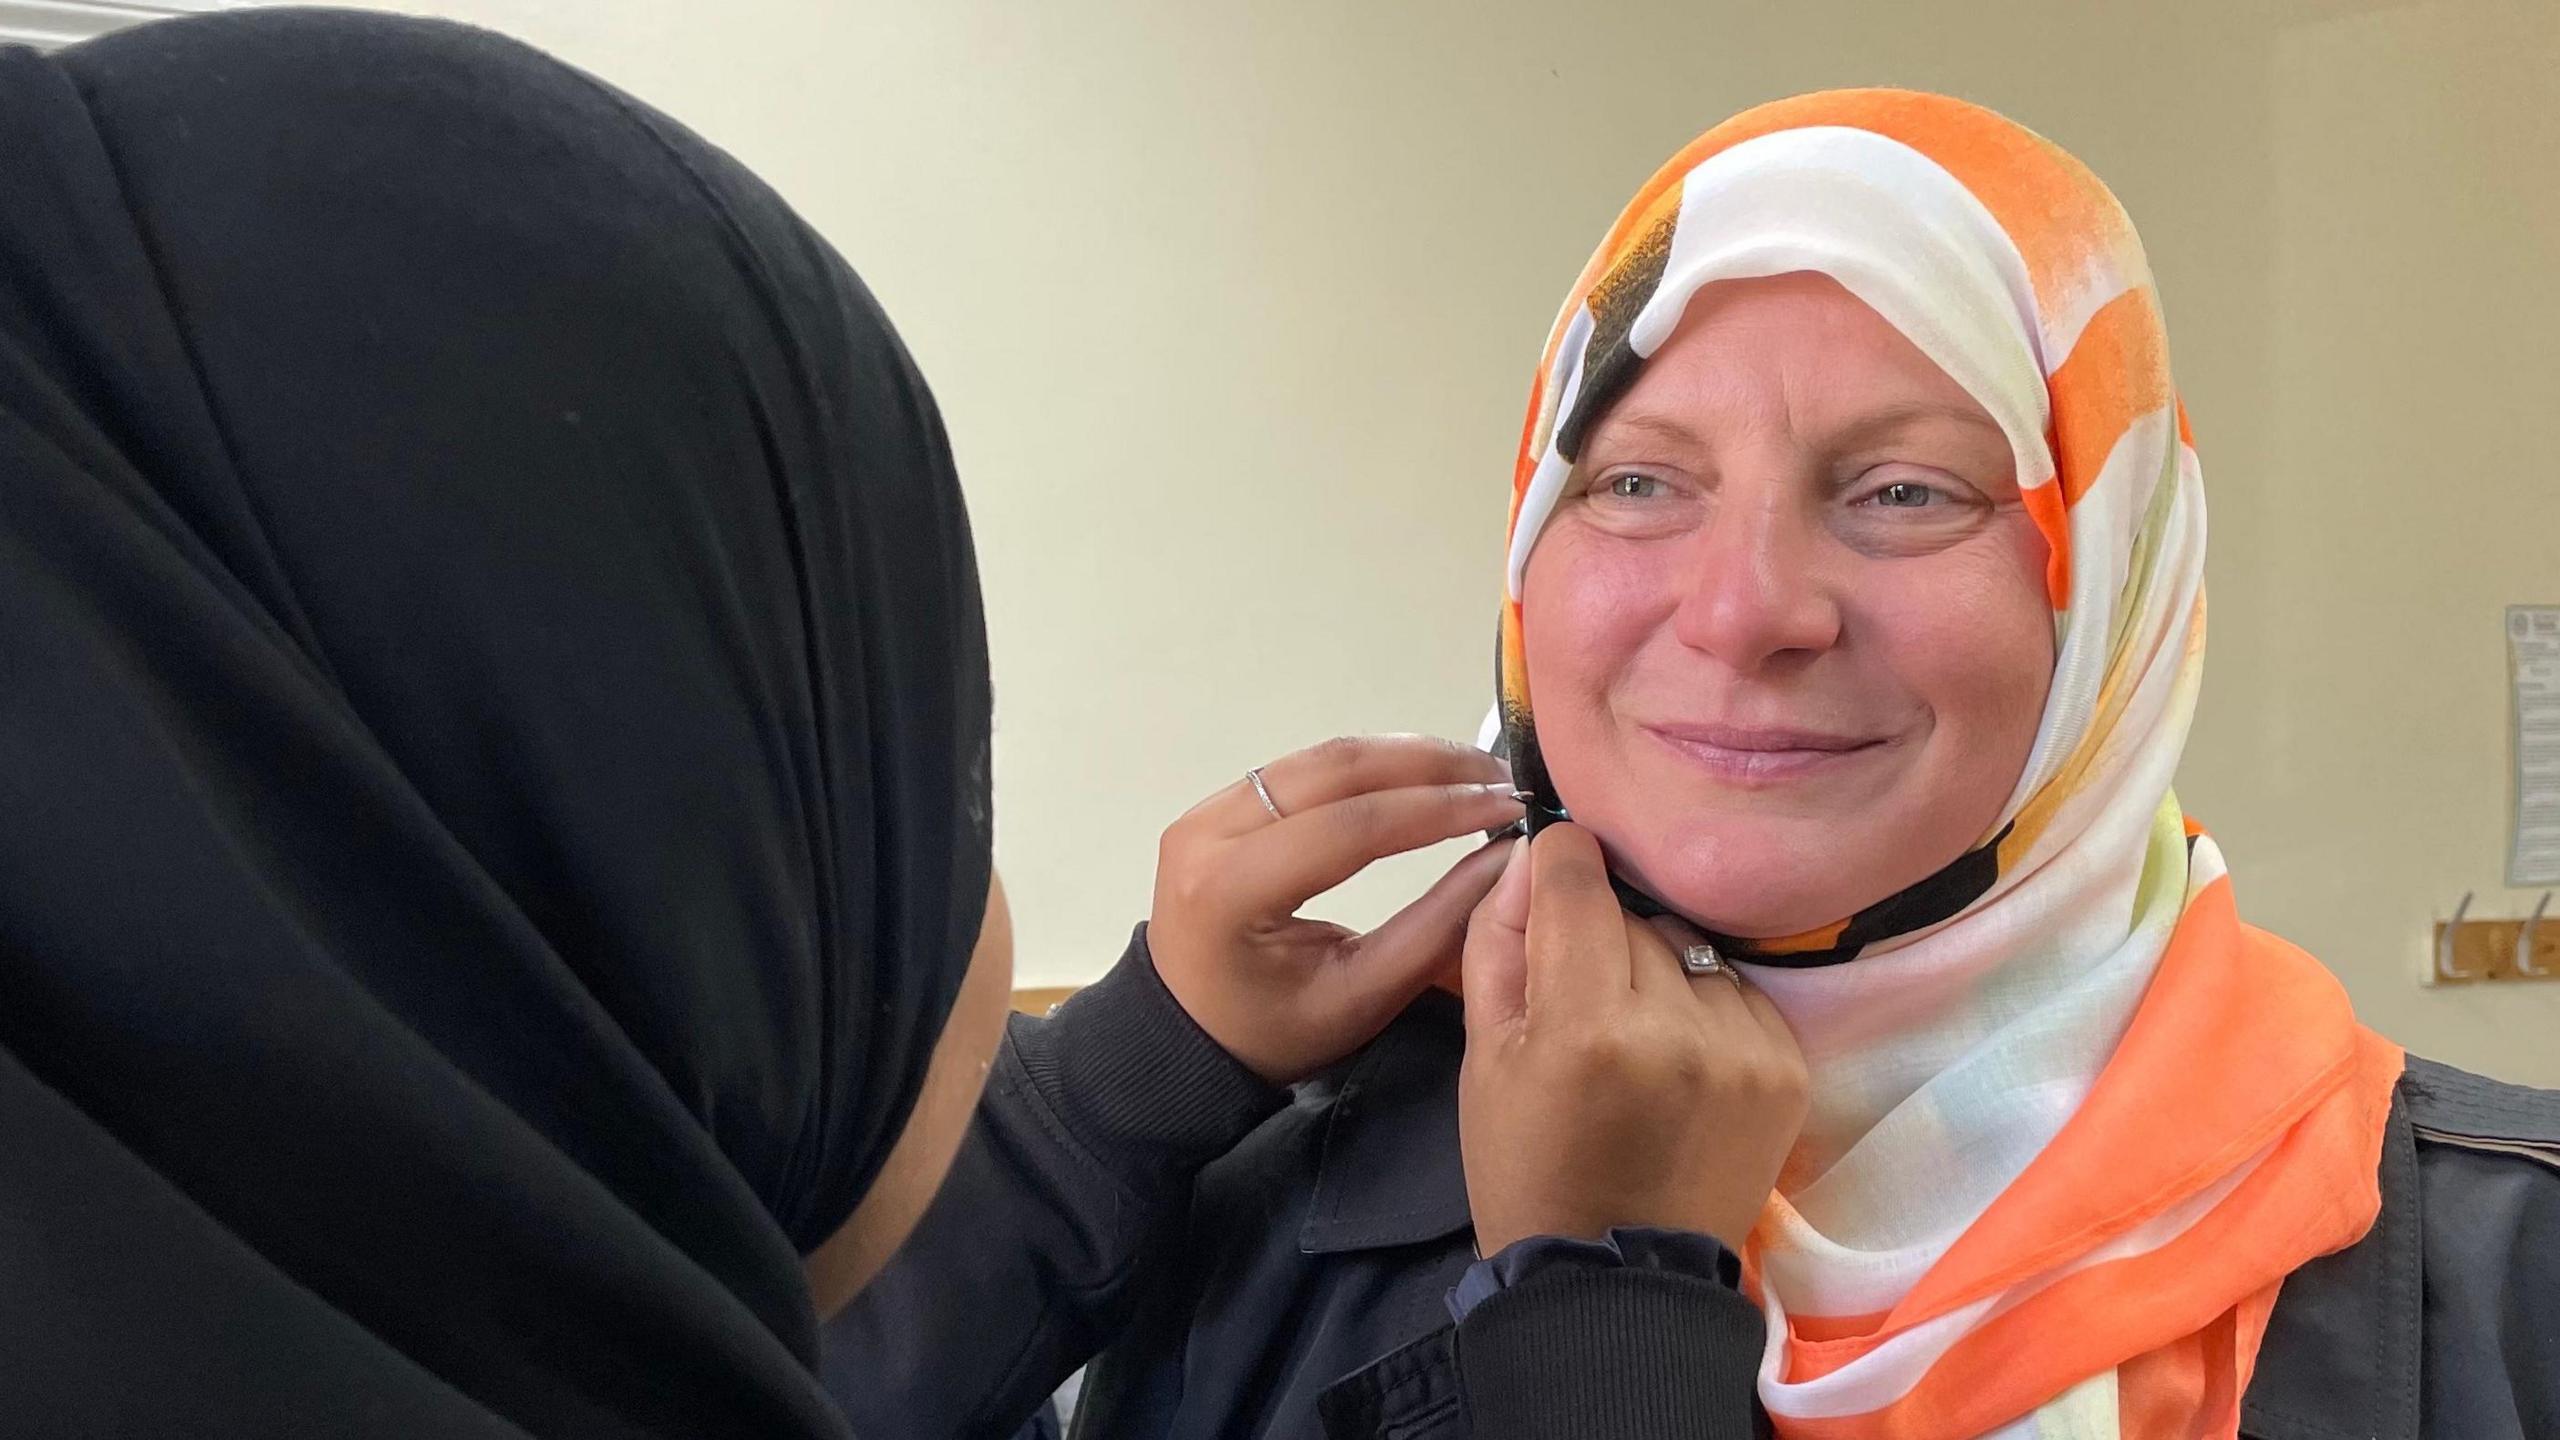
column 2533, row 673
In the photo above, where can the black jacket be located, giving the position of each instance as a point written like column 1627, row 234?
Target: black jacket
column 1247, row 1263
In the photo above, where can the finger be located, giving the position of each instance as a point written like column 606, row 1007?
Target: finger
column 1577, row 938
column 1383, row 970
column 1669, row 937
column 1496, row 965
column 1278, row 868
column 1354, row 765
column 1676, row 932
column 1654, row 949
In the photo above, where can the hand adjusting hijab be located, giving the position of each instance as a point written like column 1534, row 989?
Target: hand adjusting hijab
column 2073, row 1122
column 493, row 746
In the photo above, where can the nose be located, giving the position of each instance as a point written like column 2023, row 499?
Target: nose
column 1756, row 596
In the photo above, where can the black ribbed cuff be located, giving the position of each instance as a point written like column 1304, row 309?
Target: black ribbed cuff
column 1611, row 1354
column 1134, row 1077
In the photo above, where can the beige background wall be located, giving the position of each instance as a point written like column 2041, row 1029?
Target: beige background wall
column 1232, row 308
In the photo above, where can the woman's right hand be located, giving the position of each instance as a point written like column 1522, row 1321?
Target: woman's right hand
column 1604, row 1086
column 1286, row 995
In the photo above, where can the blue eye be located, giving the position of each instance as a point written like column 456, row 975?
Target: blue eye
column 1906, row 495
column 1634, row 487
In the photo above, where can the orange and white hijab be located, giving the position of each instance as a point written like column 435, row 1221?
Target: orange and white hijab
column 2073, row 1121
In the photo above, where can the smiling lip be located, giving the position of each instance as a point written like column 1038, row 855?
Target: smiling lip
column 1741, row 755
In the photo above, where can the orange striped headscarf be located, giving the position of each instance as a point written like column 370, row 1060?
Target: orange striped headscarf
column 2073, row 1121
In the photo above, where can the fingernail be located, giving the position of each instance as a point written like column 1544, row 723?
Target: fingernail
column 1507, row 792
column 1523, row 796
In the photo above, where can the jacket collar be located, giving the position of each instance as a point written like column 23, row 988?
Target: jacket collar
column 2341, row 1353
column 2340, row 1359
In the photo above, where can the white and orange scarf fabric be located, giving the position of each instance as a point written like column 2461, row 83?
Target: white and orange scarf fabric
column 2073, row 1121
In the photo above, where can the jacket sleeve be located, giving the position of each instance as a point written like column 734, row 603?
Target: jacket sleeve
column 1612, row 1351
column 1078, row 1167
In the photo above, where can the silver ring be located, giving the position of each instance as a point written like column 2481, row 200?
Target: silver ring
column 1705, row 959
column 1262, row 792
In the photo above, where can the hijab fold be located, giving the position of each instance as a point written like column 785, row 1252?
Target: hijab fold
column 2072, row 1121
column 493, row 743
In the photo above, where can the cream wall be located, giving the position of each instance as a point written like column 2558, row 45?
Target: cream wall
column 1231, row 310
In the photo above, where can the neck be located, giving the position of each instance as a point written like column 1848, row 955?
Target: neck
column 1983, row 1034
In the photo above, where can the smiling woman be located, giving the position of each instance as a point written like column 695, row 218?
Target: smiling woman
column 1891, row 706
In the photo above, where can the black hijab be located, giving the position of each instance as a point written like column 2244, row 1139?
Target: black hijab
column 493, row 747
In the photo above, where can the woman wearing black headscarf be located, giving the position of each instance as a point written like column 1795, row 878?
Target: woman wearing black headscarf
column 493, row 749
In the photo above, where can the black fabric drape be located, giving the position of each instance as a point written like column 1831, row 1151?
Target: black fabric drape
column 493, row 746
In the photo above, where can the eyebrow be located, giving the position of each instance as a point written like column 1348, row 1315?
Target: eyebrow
column 1665, row 428
column 1890, row 418
column 1670, row 429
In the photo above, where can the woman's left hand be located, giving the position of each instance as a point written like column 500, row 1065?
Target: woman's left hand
column 1604, row 1085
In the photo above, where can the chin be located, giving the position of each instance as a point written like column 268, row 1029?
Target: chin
column 1751, row 884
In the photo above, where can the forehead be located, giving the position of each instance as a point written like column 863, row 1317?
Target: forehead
column 1799, row 344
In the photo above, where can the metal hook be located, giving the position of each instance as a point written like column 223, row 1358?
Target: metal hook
column 2524, row 941
column 2444, row 942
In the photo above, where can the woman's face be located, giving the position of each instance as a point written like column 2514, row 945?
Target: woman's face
column 1788, row 639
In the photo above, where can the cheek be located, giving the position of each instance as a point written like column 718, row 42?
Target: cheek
column 1974, row 635
column 1586, row 615
column 2022, row 610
